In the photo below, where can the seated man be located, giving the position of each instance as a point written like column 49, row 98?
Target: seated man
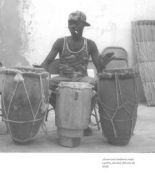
column 74, row 53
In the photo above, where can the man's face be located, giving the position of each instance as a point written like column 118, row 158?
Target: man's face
column 76, row 28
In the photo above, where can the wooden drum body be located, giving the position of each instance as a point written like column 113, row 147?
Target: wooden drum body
column 24, row 101
column 73, row 107
column 117, row 100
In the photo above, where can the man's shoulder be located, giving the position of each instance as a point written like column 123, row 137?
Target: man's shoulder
column 60, row 40
column 91, row 43
column 59, row 43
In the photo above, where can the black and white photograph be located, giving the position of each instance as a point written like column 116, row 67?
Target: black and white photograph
column 77, row 77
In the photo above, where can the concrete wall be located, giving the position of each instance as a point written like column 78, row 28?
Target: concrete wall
column 12, row 36
column 29, row 28
column 110, row 23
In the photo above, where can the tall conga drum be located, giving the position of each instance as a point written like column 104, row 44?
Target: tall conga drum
column 24, row 101
column 118, row 102
column 73, row 108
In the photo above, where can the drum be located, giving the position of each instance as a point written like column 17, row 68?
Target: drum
column 1, row 77
column 73, row 108
column 118, row 102
column 24, row 101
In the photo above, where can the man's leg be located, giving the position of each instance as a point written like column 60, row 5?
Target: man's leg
column 53, row 85
column 92, row 81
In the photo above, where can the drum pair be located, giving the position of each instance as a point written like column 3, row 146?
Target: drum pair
column 25, row 99
column 117, row 101
column 25, row 103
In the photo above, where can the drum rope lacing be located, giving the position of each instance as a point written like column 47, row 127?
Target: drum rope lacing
column 120, row 105
column 44, row 128
column 19, row 79
column 3, row 85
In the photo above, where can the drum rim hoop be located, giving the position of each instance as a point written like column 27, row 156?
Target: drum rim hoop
column 70, row 85
column 121, row 73
column 8, row 71
column 21, row 68
column 21, row 122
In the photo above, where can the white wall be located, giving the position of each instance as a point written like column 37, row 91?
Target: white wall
column 46, row 20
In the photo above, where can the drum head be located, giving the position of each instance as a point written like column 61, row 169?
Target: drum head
column 78, row 85
column 121, row 73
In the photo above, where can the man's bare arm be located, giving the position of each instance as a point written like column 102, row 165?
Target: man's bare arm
column 100, row 61
column 93, row 51
column 56, row 48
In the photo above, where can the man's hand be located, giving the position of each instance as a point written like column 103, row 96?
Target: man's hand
column 36, row 66
column 105, row 59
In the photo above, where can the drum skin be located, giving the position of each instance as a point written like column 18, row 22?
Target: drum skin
column 117, row 100
column 24, row 102
column 73, row 106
